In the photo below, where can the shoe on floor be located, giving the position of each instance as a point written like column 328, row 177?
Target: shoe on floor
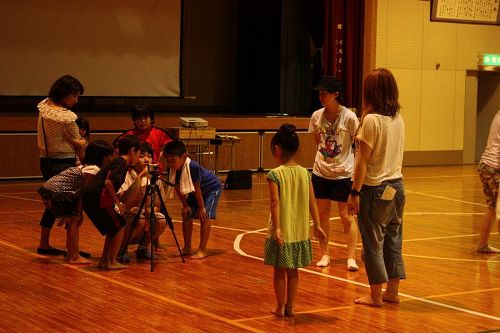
column 352, row 266
column 487, row 249
column 325, row 261
column 51, row 252
column 85, row 255
column 144, row 253
column 125, row 258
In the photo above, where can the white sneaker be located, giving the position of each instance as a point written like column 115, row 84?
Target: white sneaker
column 352, row 266
column 487, row 249
column 325, row 261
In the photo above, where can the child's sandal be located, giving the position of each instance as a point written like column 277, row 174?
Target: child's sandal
column 289, row 310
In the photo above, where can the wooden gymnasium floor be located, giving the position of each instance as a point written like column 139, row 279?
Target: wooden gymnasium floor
column 449, row 287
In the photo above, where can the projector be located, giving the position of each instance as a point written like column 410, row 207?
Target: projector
column 193, row 122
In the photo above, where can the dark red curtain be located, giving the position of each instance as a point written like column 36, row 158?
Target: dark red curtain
column 343, row 46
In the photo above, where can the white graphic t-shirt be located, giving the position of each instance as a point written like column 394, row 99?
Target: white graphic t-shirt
column 335, row 156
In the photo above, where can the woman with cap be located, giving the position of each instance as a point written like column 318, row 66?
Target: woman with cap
column 334, row 127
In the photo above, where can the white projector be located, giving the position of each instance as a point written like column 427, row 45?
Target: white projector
column 193, row 122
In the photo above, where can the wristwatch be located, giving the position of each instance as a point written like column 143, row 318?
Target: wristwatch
column 355, row 193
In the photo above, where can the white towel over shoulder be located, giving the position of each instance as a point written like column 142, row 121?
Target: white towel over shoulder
column 186, row 183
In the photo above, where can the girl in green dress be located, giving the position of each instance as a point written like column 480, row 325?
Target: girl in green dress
column 288, row 245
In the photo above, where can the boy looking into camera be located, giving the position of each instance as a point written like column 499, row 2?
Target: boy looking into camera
column 103, row 206
column 131, row 194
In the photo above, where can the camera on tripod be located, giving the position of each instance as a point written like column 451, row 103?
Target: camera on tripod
column 153, row 168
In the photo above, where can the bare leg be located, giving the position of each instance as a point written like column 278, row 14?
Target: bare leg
column 157, row 245
column 72, row 243
column 391, row 292
column 375, row 297
column 187, row 232
column 103, row 262
column 279, row 291
column 137, row 233
column 486, row 226
column 204, row 235
column 291, row 290
column 351, row 235
column 324, row 217
column 114, row 248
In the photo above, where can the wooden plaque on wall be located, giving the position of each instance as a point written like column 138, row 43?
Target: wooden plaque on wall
column 466, row 11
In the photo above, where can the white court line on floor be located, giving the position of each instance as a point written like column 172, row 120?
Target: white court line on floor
column 20, row 198
column 451, row 259
column 15, row 193
column 442, row 213
column 434, row 177
column 12, row 196
column 23, row 211
column 237, row 248
column 439, row 237
column 446, row 198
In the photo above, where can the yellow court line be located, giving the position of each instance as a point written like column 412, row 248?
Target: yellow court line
column 462, row 293
column 145, row 292
column 299, row 312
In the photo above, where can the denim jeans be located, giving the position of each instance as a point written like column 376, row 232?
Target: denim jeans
column 381, row 227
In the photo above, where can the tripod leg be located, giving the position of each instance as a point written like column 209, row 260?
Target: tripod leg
column 163, row 210
column 152, row 224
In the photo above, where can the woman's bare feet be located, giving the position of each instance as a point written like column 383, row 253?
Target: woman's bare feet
column 289, row 312
column 390, row 298
column 200, row 254
column 367, row 300
column 279, row 311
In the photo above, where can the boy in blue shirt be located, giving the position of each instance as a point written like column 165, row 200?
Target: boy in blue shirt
column 199, row 191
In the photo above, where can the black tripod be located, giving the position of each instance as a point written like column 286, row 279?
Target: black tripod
column 153, row 190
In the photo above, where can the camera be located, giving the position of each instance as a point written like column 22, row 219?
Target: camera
column 153, row 168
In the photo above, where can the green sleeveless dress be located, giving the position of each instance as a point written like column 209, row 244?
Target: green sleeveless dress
column 293, row 183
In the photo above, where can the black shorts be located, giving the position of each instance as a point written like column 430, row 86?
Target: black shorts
column 106, row 220
column 336, row 190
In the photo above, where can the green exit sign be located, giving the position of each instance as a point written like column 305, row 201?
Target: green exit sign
column 489, row 59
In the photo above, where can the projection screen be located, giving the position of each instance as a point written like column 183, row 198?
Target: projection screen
column 114, row 47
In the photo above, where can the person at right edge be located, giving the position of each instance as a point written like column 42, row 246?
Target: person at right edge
column 489, row 171
column 377, row 193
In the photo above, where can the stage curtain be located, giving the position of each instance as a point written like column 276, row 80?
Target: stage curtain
column 342, row 49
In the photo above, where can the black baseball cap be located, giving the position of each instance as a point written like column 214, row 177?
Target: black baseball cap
column 329, row 83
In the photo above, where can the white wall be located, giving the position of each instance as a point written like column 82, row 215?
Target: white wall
column 411, row 46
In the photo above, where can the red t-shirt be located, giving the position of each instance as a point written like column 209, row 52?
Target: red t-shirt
column 155, row 137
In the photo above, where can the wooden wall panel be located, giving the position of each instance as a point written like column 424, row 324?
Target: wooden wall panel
column 19, row 155
column 246, row 152
column 304, row 157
